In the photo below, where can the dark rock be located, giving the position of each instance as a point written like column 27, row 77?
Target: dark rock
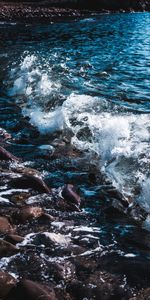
column 7, row 249
column 5, row 155
column 63, row 271
column 142, row 295
column 7, row 282
column 30, row 290
column 4, row 134
column 5, row 225
column 14, row 239
column 19, row 198
column 137, row 213
column 69, row 194
column 30, row 181
column 27, row 213
column 98, row 290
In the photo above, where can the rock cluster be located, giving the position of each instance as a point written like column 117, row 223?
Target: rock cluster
column 51, row 247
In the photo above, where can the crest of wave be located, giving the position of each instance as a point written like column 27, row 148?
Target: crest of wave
column 120, row 138
column 32, row 79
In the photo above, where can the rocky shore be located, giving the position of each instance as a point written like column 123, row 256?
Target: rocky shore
column 50, row 11
column 30, row 13
column 50, row 243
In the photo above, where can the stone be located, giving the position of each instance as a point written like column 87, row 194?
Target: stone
column 30, row 181
column 7, row 282
column 27, row 213
column 69, row 194
column 14, row 239
column 6, row 155
column 144, row 294
column 4, row 134
column 7, row 249
column 5, row 225
column 30, row 290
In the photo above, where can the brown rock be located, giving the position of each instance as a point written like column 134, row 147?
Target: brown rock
column 6, row 155
column 7, row 282
column 7, row 249
column 21, row 197
column 69, row 194
column 30, row 290
column 5, row 225
column 14, row 239
column 30, row 181
column 27, row 213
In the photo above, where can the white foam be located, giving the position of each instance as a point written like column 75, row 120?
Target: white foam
column 119, row 138
column 46, row 122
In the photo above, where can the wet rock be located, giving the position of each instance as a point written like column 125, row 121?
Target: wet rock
column 27, row 213
column 115, row 208
column 142, row 295
column 27, row 289
column 4, row 134
column 5, row 225
column 64, row 270
column 7, row 249
column 21, row 197
column 137, row 213
column 7, row 282
column 99, row 291
column 6, row 155
column 26, row 171
column 47, row 217
column 14, row 239
column 30, row 181
column 69, row 193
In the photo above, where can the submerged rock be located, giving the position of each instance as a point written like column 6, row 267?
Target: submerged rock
column 7, row 282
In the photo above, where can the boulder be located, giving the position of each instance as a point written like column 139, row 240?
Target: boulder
column 27, row 213
column 30, row 290
column 69, row 194
column 32, row 182
column 7, row 249
column 6, row 155
column 7, row 282
column 5, row 225
column 14, row 239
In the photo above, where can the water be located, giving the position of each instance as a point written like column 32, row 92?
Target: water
column 89, row 77
column 85, row 81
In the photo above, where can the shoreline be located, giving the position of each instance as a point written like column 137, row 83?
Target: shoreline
column 30, row 12
column 33, row 13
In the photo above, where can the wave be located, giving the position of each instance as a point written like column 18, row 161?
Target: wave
column 119, row 137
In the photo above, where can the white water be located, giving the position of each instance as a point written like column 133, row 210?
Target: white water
column 120, row 138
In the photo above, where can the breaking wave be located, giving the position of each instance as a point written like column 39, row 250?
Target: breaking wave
column 118, row 136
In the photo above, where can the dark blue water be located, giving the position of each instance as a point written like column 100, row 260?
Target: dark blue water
column 88, row 79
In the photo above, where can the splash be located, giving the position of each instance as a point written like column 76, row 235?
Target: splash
column 118, row 136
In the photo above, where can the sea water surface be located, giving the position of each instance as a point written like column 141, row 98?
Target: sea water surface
column 86, row 81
